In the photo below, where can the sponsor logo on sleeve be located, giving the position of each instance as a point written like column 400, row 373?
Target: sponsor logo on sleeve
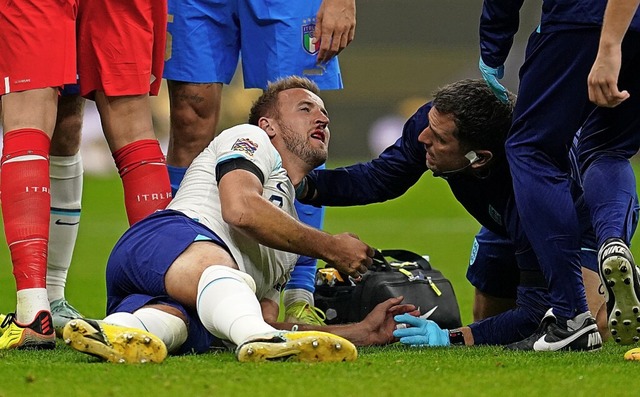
column 245, row 145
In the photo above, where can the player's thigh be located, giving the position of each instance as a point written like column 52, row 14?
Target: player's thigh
column 142, row 257
column 614, row 131
column 552, row 98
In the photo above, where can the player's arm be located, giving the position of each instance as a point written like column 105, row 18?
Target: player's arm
column 244, row 208
column 603, row 78
column 335, row 27
column 617, row 18
column 397, row 168
column 499, row 24
column 375, row 329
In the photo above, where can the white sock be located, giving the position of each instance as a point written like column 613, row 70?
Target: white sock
column 124, row 319
column 290, row 296
column 65, row 173
column 227, row 305
column 171, row 329
column 30, row 302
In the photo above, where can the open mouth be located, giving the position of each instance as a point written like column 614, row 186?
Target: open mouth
column 319, row 135
column 428, row 157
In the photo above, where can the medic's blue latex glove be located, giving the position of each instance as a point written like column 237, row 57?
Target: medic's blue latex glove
column 491, row 76
column 420, row 332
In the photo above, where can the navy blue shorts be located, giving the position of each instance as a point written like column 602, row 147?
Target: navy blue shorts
column 139, row 261
column 70, row 89
column 495, row 267
column 492, row 265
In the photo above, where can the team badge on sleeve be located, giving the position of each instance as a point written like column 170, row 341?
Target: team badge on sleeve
column 474, row 252
column 245, row 145
column 309, row 42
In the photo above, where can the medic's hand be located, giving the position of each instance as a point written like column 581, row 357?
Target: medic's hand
column 420, row 332
column 491, row 76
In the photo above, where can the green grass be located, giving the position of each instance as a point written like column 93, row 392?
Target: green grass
column 426, row 220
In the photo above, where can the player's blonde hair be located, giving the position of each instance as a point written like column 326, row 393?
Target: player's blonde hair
column 266, row 104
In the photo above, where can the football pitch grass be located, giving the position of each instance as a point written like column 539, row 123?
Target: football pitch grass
column 426, row 220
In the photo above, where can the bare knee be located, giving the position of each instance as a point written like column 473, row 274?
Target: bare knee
column 30, row 109
column 182, row 278
column 68, row 129
column 195, row 110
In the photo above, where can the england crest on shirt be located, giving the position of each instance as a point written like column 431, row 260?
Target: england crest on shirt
column 309, row 42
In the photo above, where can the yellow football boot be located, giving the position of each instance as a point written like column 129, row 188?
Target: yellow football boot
column 39, row 334
column 304, row 346
column 114, row 343
column 303, row 313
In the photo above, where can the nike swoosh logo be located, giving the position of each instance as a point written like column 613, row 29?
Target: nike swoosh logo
column 424, row 317
column 543, row 345
column 429, row 313
column 61, row 222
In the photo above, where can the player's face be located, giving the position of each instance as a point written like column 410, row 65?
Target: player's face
column 443, row 148
column 304, row 125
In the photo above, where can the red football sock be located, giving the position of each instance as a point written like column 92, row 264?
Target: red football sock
column 25, row 204
column 145, row 178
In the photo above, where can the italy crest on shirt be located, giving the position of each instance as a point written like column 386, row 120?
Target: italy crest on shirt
column 309, row 42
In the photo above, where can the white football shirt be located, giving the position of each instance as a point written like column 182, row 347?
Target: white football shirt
column 198, row 198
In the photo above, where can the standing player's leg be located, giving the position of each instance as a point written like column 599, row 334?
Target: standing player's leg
column 194, row 114
column 121, row 81
column 25, row 207
column 128, row 127
column 202, row 55
column 32, row 72
column 65, row 172
column 608, row 140
column 537, row 150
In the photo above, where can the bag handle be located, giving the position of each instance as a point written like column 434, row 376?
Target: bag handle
column 381, row 263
